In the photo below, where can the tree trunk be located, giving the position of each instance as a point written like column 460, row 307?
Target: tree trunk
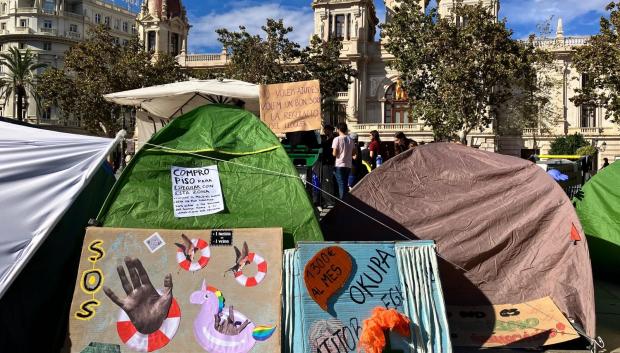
column 20, row 104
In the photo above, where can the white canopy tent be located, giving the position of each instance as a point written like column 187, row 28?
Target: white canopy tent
column 41, row 174
column 161, row 103
column 174, row 99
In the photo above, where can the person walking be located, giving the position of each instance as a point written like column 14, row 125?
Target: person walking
column 344, row 151
column 401, row 142
column 374, row 147
column 605, row 163
column 327, row 178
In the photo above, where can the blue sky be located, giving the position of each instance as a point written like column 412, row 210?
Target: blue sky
column 580, row 17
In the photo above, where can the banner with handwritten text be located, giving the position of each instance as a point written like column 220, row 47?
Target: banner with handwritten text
column 289, row 107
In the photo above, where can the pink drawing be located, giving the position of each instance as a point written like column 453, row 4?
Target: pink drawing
column 224, row 331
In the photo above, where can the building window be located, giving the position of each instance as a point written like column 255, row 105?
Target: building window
column 125, row 27
column 23, row 22
column 588, row 115
column 588, row 111
column 106, row 21
column 3, row 25
column 46, row 114
column 125, row 42
column 340, row 19
column 49, row 6
column 150, row 42
column 117, row 24
column 47, row 24
column 133, row 29
column 174, row 44
column 47, row 46
column 396, row 106
column 3, row 8
column 21, row 45
column 349, row 27
column 336, row 113
column 73, row 28
column 97, row 18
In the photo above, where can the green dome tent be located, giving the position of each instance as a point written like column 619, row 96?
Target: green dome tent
column 253, row 196
column 598, row 208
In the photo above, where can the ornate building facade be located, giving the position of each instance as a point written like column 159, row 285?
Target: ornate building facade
column 48, row 28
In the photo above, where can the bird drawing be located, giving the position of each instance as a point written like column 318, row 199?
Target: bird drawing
column 242, row 259
column 220, row 329
column 188, row 248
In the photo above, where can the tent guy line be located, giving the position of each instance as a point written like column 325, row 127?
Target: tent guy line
column 593, row 340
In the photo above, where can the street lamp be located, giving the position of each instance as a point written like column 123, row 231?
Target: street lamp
column 603, row 147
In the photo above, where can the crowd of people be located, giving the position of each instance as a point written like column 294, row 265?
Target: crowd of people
column 346, row 160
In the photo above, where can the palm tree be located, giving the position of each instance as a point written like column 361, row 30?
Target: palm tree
column 20, row 77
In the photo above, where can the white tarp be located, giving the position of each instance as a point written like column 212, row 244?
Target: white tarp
column 41, row 173
column 175, row 99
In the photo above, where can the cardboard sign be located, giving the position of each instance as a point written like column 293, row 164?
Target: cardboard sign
column 526, row 325
column 196, row 191
column 374, row 282
column 326, row 273
column 289, row 107
column 170, row 291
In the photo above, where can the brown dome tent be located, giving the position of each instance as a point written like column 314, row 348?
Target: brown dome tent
column 506, row 231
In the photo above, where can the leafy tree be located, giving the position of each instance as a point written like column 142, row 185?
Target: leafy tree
column 568, row 144
column 599, row 60
column 98, row 66
column 456, row 68
column 277, row 59
column 20, row 78
column 531, row 105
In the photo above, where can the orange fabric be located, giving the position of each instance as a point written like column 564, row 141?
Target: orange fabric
column 372, row 339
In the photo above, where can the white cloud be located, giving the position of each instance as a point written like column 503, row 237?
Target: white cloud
column 202, row 34
column 536, row 11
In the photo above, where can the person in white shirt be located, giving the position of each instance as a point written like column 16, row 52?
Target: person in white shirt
column 344, row 151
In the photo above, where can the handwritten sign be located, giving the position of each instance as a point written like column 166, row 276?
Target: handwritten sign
column 289, row 107
column 196, row 191
column 525, row 325
column 326, row 273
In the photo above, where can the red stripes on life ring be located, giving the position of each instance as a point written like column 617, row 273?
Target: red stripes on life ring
column 197, row 264
column 261, row 265
column 140, row 342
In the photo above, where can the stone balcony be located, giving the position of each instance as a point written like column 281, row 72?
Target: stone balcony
column 48, row 31
column 387, row 128
column 595, row 131
column 203, row 60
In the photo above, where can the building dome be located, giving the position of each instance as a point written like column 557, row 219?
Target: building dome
column 174, row 8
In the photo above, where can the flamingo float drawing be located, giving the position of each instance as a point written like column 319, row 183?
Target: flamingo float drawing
column 224, row 330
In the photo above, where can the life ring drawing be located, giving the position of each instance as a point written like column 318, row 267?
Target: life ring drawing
column 140, row 342
column 189, row 262
column 261, row 265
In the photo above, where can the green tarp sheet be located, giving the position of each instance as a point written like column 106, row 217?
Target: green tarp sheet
column 598, row 208
column 253, row 198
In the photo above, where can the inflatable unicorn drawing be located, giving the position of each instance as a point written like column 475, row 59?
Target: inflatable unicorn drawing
column 224, row 331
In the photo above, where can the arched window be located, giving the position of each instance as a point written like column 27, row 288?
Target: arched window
column 396, row 107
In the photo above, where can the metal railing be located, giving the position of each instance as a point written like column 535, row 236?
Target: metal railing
column 49, row 31
column 73, row 35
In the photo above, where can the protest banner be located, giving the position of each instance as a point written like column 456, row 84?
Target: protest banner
column 525, row 325
column 290, row 107
column 189, row 291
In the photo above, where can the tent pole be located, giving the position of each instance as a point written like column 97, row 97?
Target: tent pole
column 181, row 108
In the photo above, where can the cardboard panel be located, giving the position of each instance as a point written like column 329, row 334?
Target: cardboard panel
column 526, row 325
column 373, row 282
column 289, row 107
column 173, row 288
